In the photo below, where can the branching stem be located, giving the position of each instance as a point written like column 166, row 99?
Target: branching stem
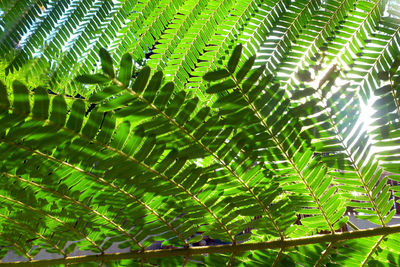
column 229, row 248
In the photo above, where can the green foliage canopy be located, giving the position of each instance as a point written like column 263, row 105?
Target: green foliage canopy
column 242, row 125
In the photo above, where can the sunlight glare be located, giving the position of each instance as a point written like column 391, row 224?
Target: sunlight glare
column 366, row 112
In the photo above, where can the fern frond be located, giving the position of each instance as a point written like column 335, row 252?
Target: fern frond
column 133, row 23
column 56, row 121
column 16, row 19
column 94, row 24
column 335, row 127
column 25, row 226
column 197, row 141
column 261, row 17
column 357, row 26
column 291, row 158
column 152, row 28
column 309, row 43
column 188, row 50
column 289, row 27
column 257, row 148
column 11, row 203
column 75, row 202
column 179, row 26
column 387, row 252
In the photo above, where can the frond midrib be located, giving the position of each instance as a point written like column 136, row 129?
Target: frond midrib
column 281, row 148
column 76, row 202
column 205, row 148
column 53, row 218
column 352, row 160
column 130, row 158
column 29, row 229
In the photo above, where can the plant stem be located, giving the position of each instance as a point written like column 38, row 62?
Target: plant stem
column 316, row 239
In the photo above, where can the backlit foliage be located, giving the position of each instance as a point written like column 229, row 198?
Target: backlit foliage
column 177, row 121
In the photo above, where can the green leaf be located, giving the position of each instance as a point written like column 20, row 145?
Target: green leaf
column 92, row 78
column 21, row 98
column 164, row 95
column 234, row 59
column 58, row 111
column 383, row 75
column 153, row 87
column 41, row 103
column 141, row 80
column 304, row 76
column 106, row 63
column 121, row 134
column 245, row 69
column 146, row 148
column 299, row 94
column 220, row 87
column 395, row 65
column 253, row 78
column 107, row 129
column 4, row 102
column 93, row 124
column 125, row 69
column 305, row 109
column 216, row 75
column 105, row 93
column 195, row 239
column 390, row 216
column 76, row 117
column 383, row 90
column 117, row 102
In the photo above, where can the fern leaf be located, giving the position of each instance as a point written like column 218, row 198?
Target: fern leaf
column 350, row 152
column 180, row 123
column 310, row 41
column 277, row 44
column 264, row 17
column 278, row 132
column 259, row 150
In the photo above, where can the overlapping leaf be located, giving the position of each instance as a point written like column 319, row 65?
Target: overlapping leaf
column 142, row 155
column 261, row 112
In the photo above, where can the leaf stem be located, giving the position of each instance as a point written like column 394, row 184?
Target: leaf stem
column 324, row 254
column 373, row 249
column 229, row 248
column 278, row 257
